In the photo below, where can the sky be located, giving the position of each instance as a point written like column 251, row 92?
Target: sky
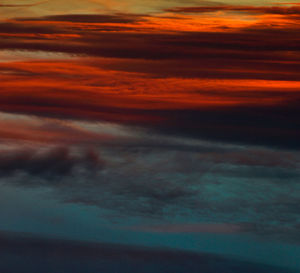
column 149, row 136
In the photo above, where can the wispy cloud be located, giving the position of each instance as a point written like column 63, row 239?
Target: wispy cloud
column 21, row 5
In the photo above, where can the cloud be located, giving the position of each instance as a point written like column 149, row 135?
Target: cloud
column 156, row 177
column 56, row 162
column 180, row 78
column 23, row 252
column 91, row 18
column 223, row 110
column 157, row 37
column 21, row 5
column 190, row 228
column 293, row 10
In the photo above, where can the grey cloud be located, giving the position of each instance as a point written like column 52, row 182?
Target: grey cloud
column 130, row 182
column 56, row 162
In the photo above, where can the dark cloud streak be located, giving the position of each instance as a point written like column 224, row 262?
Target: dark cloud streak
column 294, row 10
column 22, row 253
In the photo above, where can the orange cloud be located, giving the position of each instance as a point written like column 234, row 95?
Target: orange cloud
column 167, row 70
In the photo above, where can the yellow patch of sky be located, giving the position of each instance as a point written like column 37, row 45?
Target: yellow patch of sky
column 43, row 8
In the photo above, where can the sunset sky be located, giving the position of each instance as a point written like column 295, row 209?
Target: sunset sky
column 149, row 136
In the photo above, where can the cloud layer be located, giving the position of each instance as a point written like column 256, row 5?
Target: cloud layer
column 210, row 77
column 185, row 120
column 22, row 253
column 140, row 176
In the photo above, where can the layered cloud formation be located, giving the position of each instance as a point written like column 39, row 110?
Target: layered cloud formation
column 132, row 174
column 184, row 119
column 217, row 77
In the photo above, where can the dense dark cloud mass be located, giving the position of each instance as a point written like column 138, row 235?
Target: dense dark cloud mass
column 270, row 126
column 54, row 163
column 23, row 253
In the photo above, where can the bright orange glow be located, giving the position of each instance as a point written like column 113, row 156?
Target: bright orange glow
column 130, row 68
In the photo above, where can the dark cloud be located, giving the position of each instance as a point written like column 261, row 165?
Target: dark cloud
column 12, row 6
column 10, row 28
column 91, row 18
column 22, row 253
column 52, row 163
column 259, row 45
column 294, row 10
column 247, row 43
column 210, row 69
column 274, row 126
column 259, row 188
column 216, row 228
